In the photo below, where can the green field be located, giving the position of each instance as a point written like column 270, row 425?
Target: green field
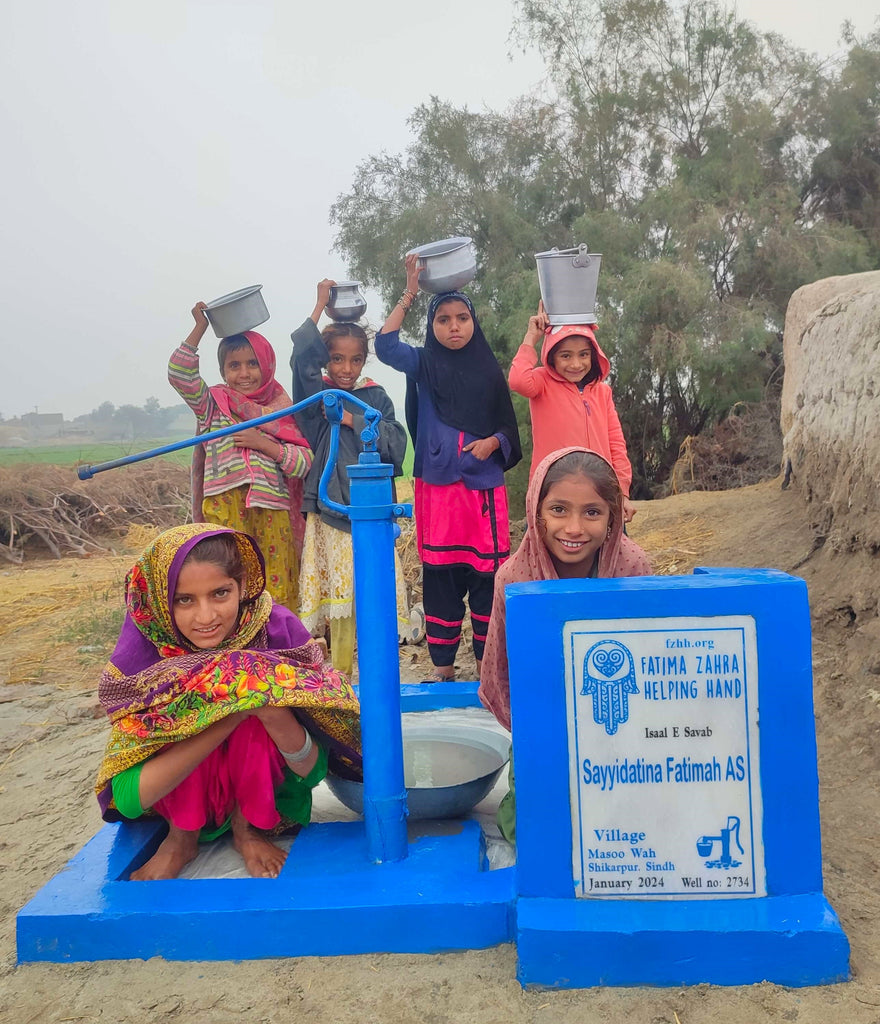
column 91, row 453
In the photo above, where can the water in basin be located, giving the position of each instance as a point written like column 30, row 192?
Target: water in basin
column 431, row 763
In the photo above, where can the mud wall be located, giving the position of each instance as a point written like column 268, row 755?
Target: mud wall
column 831, row 407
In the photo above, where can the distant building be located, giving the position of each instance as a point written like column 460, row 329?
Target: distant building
column 44, row 424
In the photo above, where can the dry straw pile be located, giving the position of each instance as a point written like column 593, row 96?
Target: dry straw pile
column 47, row 510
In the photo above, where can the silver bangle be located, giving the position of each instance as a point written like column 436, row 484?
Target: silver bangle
column 301, row 754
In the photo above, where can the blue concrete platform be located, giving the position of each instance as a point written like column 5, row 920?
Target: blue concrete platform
column 567, row 824
column 789, row 940
column 327, row 901
column 439, row 696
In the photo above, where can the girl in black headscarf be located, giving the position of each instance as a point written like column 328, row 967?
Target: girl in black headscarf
column 461, row 419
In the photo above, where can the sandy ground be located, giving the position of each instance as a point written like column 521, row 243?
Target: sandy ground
column 54, row 620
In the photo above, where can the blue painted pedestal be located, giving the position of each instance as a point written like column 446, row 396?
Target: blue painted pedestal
column 779, row 927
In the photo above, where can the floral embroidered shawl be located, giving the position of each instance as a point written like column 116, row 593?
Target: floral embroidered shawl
column 158, row 689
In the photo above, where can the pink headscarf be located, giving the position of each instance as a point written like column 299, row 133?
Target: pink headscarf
column 618, row 556
column 268, row 397
column 554, row 335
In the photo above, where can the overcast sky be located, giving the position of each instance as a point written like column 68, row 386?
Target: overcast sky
column 164, row 152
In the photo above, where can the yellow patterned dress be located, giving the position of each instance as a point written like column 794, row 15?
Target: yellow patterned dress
column 326, row 589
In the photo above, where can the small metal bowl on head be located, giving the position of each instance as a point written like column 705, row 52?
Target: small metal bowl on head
column 346, row 302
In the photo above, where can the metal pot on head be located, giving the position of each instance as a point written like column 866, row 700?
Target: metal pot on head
column 346, row 302
column 569, row 279
column 447, row 265
column 237, row 312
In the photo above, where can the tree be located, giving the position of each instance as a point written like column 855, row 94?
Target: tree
column 844, row 182
column 677, row 142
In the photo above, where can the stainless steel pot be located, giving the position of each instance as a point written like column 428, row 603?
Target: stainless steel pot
column 448, row 769
column 569, row 279
column 346, row 302
column 447, row 265
column 237, row 312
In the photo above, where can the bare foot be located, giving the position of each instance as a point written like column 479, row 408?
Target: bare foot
column 262, row 858
column 175, row 851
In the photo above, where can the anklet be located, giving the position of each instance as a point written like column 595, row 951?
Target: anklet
column 301, row 754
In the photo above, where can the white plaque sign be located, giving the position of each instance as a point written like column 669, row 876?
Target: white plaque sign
column 664, row 757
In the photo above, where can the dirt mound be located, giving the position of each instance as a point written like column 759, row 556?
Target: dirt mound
column 831, row 407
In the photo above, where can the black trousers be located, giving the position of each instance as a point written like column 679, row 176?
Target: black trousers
column 444, row 589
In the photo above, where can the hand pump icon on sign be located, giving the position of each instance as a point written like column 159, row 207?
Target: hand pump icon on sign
column 705, row 845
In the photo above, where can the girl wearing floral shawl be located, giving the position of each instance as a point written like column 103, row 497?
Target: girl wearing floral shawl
column 214, row 695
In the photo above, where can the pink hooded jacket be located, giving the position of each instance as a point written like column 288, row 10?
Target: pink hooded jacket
column 561, row 415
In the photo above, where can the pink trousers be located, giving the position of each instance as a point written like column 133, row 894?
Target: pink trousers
column 245, row 770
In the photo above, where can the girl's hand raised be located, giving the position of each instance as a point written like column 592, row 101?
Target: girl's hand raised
column 394, row 320
column 322, row 299
column 413, row 270
column 483, row 448
column 195, row 335
column 324, row 290
column 538, row 324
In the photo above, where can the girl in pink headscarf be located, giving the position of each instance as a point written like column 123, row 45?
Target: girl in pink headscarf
column 574, row 530
column 252, row 480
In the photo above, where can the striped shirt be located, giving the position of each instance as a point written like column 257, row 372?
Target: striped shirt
column 225, row 465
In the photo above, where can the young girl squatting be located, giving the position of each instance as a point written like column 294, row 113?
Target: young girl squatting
column 222, row 713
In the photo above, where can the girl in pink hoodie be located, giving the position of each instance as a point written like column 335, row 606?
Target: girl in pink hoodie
column 569, row 401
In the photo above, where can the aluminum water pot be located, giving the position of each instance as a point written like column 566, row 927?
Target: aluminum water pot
column 346, row 302
column 447, row 265
column 237, row 312
column 569, row 279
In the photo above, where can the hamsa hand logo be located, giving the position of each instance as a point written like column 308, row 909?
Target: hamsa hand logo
column 610, row 676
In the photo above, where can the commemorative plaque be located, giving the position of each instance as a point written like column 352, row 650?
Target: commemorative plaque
column 664, row 748
column 667, row 813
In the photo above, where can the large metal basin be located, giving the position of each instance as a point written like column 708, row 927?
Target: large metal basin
column 237, row 312
column 448, row 769
column 447, row 265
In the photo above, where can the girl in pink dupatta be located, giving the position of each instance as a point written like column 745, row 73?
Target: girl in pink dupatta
column 574, row 517
column 251, row 480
